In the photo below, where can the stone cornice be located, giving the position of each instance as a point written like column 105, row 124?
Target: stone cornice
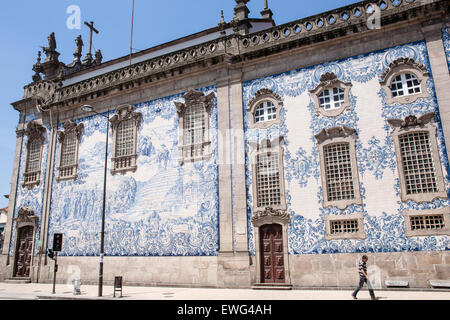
column 237, row 48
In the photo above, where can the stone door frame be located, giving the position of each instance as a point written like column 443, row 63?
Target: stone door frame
column 25, row 218
column 268, row 217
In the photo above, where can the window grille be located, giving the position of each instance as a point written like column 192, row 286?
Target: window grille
column 194, row 131
column 405, row 84
column 417, row 162
column 431, row 222
column 125, row 138
column 266, row 111
column 68, row 156
column 268, row 180
column 331, row 99
column 338, row 169
column 344, row 226
column 33, row 166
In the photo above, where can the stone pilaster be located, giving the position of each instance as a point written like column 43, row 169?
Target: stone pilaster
column 439, row 66
column 5, row 261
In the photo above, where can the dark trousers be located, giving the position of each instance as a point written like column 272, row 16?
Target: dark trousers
column 361, row 283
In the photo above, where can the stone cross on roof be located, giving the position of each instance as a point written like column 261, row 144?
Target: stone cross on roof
column 92, row 30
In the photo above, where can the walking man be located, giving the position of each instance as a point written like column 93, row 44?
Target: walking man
column 363, row 277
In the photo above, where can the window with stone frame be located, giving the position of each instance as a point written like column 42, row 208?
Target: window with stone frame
column 332, row 96
column 349, row 226
column 268, row 175
column 264, row 109
column 404, row 81
column 69, row 141
column 418, row 161
column 427, row 222
column 125, row 125
column 194, row 126
column 339, row 171
column 32, row 174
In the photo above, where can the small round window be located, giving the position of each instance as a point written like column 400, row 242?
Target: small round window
column 266, row 111
column 405, row 84
column 331, row 99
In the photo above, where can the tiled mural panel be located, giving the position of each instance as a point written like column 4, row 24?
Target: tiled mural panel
column 163, row 209
column 379, row 182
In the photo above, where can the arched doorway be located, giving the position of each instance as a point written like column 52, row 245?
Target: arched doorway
column 24, row 252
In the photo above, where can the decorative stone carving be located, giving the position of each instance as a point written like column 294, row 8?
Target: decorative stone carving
column 35, row 131
column 50, row 51
column 336, row 132
column 412, row 121
column 70, row 126
column 26, row 216
column 37, row 68
column 279, row 214
column 400, row 66
column 329, row 81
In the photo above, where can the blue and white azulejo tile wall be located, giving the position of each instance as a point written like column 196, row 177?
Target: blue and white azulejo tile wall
column 163, row 209
column 379, row 182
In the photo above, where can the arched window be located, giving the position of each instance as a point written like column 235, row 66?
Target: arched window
column 332, row 96
column 405, row 84
column 404, row 81
column 264, row 109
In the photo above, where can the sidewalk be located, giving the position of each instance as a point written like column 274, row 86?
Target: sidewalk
column 35, row 291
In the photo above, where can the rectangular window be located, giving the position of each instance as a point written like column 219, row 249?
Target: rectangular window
column 268, row 180
column 68, row 161
column 428, row 222
column 69, row 150
column 34, row 156
column 417, row 162
column 194, row 131
column 125, row 138
column 338, row 170
column 33, row 166
column 339, row 227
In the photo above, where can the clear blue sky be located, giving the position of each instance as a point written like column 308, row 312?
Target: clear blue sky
column 26, row 24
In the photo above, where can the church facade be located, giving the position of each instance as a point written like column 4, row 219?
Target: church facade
column 247, row 155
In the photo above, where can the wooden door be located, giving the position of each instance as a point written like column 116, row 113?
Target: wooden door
column 272, row 254
column 24, row 252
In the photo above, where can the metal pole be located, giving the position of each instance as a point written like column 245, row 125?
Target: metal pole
column 132, row 31
column 54, row 272
column 102, row 234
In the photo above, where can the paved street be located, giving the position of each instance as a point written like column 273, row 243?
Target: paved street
column 43, row 292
